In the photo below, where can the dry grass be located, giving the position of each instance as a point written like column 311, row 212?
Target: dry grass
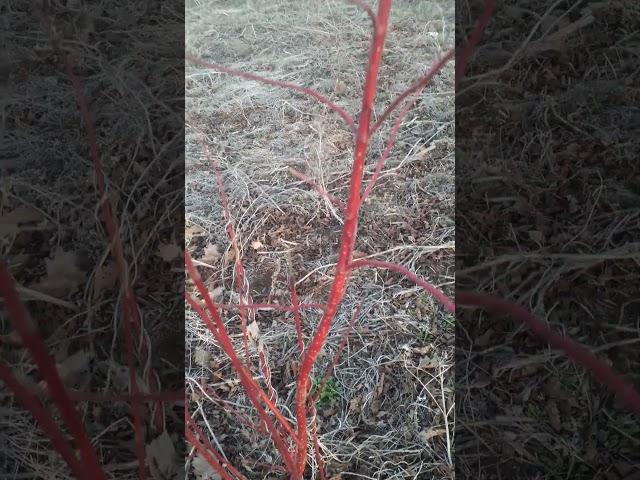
column 391, row 411
column 548, row 218
column 46, row 168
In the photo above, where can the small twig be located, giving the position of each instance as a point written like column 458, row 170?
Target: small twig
column 31, row 338
column 362, row 5
column 434, row 291
column 335, row 201
column 345, row 339
column 417, row 87
column 44, row 419
column 597, row 368
column 276, row 83
column 43, row 297
column 463, row 58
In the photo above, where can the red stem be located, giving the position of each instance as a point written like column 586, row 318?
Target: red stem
column 366, row 9
column 385, row 153
column 318, row 189
column 231, row 232
column 167, row 397
column 345, row 339
column 271, row 306
column 604, row 374
column 108, row 217
column 463, row 59
column 417, row 87
column 44, row 419
column 348, row 233
column 213, row 321
column 316, row 441
column 296, row 316
column 207, row 444
column 394, row 267
column 31, row 338
column 207, row 454
column 276, row 83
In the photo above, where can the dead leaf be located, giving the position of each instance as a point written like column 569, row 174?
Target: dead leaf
column 257, row 245
column 428, row 363
column 217, row 293
column 340, row 87
column 169, row 251
column 253, row 332
column 201, row 357
column 203, row 470
column 428, row 434
column 554, row 415
column 192, row 231
column 18, row 219
column 63, row 275
column 74, row 368
column 106, row 277
column 211, row 254
column 161, row 454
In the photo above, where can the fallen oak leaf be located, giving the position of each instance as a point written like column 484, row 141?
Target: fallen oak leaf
column 169, row 251
column 63, row 275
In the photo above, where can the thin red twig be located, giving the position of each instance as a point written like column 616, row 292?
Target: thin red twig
column 207, row 454
column 207, row 444
column 362, row 5
column 253, row 391
column 29, row 401
column 31, row 338
column 167, row 397
column 108, row 217
column 231, row 233
column 345, row 339
column 417, row 87
column 276, row 83
column 335, row 201
column 296, row 316
column 387, row 150
column 394, row 267
column 316, row 441
column 476, row 35
column 270, row 306
column 604, row 374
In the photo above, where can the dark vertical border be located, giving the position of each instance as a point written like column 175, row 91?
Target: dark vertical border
column 548, row 218
column 92, row 229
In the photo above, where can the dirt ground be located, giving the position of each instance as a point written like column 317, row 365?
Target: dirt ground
column 388, row 411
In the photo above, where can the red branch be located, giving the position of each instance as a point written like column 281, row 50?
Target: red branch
column 253, row 391
column 270, row 306
column 31, row 338
column 192, row 426
column 387, row 150
column 463, row 59
column 366, row 9
column 348, row 232
column 604, row 374
column 394, row 267
column 318, row 189
column 417, row 87
column 44, row 419
column 296, row 316
column 130, row 308
column 345, row 339
column 276, row 83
